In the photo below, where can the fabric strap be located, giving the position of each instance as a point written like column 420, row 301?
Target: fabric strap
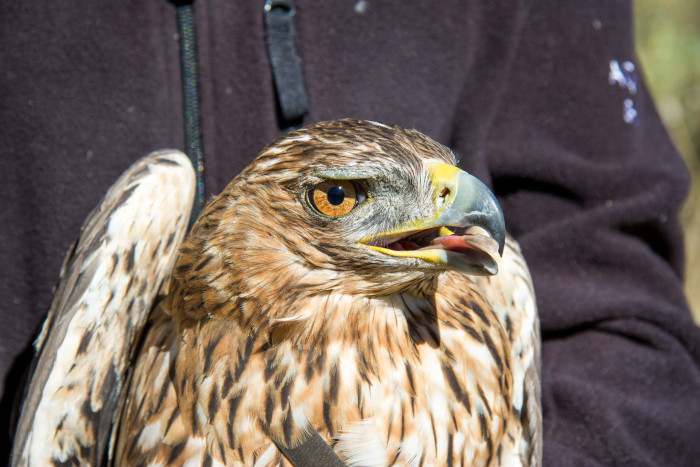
column 313, row 452
column 280, row 34
column 191, row 99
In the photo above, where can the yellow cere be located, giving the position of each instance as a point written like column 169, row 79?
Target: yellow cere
column 441, row 173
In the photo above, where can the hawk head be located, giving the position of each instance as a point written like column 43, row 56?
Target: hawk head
column 346, row 206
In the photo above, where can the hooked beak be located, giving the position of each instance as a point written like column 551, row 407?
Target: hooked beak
column 461, row 202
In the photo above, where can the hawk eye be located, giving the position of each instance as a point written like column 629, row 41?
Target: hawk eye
column 336, row 197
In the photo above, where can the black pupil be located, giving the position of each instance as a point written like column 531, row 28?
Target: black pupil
column 336, row 195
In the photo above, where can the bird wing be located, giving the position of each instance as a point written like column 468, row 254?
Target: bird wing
column 108, row 284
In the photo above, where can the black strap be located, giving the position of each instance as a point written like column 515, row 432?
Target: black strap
column 313, row 452
column 190, row 98
column 292, row 101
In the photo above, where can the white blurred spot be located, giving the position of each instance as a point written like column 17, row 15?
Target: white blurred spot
column 361, row 7
column 625, row 76
column 629, row 114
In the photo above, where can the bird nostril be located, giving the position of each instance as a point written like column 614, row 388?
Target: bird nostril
column 445, row 194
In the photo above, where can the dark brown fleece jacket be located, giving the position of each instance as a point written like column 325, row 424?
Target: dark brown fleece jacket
column 543, row 100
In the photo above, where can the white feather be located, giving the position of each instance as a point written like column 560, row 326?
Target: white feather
column 359, row 444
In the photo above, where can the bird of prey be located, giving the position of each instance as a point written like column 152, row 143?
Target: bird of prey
column 350, row 284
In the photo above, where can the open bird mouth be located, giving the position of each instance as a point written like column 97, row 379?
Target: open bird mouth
column 465, row 231
column 468, row 250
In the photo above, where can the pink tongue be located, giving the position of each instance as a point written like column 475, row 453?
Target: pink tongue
column 470, row 241
column 451, row 241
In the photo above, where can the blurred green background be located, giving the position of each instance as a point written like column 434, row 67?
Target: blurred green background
column 668, row 44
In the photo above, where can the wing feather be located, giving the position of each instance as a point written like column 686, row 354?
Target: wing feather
column 107, row 287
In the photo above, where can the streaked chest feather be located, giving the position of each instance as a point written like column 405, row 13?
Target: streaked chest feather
column 385, row 380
